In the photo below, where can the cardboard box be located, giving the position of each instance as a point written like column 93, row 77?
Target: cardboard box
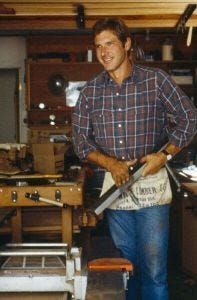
column 48, row 157
column 42, row 135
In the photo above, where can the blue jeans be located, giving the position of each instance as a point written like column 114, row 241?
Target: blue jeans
column 142, row 237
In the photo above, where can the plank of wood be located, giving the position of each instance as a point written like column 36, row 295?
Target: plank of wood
column 71, row 194
column 31, row 176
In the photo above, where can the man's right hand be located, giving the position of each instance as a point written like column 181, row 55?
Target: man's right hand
column 119, row 169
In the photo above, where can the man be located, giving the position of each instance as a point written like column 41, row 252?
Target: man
column 120, row 118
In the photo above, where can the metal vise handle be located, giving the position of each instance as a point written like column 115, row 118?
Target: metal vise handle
column 36, row 197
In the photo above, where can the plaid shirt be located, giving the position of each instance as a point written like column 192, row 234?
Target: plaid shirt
column 128, row 121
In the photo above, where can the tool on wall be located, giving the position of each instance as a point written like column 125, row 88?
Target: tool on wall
column 185, row 17
column 181, row 24
column 80, row 18
column 189, row 36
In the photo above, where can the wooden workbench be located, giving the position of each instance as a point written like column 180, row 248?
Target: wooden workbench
column 70, row 193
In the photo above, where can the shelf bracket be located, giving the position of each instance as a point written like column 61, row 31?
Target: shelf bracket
column 185, row 17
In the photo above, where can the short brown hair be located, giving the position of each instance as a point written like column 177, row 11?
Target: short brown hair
column 114, row 24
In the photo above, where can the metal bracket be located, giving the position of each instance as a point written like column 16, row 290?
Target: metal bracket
column 14, row 196
column 58, row 195
column 185, row 17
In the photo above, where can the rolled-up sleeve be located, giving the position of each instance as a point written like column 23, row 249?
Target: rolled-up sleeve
column 181, row 108
column 82, row 133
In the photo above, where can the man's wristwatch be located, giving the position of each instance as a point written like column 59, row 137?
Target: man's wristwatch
column 168, row 155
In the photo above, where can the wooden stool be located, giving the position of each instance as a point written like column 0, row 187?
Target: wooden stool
column 112, row 264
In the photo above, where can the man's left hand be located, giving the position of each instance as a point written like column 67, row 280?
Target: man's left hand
column 154, row 162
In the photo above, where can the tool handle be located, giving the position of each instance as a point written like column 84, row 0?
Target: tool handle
column 36, row 197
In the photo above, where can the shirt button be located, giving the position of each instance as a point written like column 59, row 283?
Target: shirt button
column 123, row 157
column 119, row 109
column 120, row 141
column 119, row 125
column 117, row 94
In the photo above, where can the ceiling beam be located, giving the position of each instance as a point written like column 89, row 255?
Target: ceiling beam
column 61, row 15
column 101, row 1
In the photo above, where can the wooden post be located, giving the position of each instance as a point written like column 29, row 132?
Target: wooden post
column 67, row 225
column 16, row 224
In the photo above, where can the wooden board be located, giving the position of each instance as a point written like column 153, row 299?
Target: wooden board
column 31, row 176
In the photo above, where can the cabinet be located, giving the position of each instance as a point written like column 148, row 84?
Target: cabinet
column 183, row 242
column 47, row 109
column 189, row 229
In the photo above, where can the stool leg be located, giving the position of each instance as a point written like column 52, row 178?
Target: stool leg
column 126, row 275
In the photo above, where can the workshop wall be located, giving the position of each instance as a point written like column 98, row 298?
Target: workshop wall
column 12, row 55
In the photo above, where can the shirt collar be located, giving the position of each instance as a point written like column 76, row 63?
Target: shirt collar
column 105, row 78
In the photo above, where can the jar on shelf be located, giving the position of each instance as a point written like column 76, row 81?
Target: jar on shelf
column 167, row 50
column 89, row 55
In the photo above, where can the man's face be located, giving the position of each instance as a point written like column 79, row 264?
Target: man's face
column 110, row 51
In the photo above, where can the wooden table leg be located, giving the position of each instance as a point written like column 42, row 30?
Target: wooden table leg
column 16, row 222
column 67, row 225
